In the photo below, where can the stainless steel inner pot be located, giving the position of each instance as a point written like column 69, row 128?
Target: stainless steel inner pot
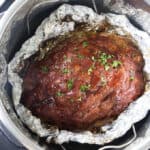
column 17, row 25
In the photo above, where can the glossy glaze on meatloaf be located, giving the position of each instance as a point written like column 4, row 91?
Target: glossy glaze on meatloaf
column 88, row 77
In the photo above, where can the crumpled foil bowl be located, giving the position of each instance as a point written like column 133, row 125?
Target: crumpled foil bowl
column 18, row 24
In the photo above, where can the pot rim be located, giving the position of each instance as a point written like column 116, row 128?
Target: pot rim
column 4, row 116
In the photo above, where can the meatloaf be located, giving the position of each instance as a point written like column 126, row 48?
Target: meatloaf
column 87, row 77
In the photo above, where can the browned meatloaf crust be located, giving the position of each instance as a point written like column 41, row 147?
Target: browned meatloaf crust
column 87, row 77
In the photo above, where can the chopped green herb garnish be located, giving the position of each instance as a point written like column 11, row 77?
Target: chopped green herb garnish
column 69, row 59
column 99, row 52
column 79, row 99
column 103, row 81
column 109, row 56
column 65, row 70
column 80, row 34
column 104, row 60
column 132, row 74
column 56, row 67
column 104, row 57
column 65, row 57
column 84, row 88
column 44, row 69
column 85, row 44
column 71, row 100
column 70, row 84
column 93, row 58
column 95, row 31
column 59, row 94
column 91, row 69
column 116, row 63
column 75, row 49
column 106, row 67
column 80, row 56
column 132, row 78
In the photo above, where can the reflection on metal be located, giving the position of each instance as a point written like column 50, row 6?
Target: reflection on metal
column 94, row 6
column 2, row 2
column 122, row 145
column 62, row 147
column 1, row 14
column 39, row 5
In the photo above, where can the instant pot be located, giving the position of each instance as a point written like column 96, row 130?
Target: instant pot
column 17, row 25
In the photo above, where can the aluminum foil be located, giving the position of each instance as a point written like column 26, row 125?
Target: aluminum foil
column 141, row 17
column 54, row 26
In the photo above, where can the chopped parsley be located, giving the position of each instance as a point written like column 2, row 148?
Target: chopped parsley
column 90, row 69
column 132, row 74
column 116, row 63
column 71, row 100
column 65, row 57
column 80, row 34
column 79, row 99
column 80, row 56
column 132, row 78
column 59, row 94
column 106, row 66
column 103, row 81
column 93, row 58
column 70, row 84
column 65, row 71
column 44, row 69
column 84, row 88
column 56, row 67
column 85, row 44
column 104, row 57
column 75, row 48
